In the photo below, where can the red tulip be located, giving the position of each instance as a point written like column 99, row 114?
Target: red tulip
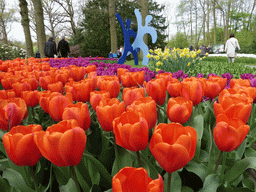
column 63, row 144
column 136, row 179
column 173, row 143
column 97, row 96
column 31, row 98
column 57, row 104
column 155, row 89
column 131, row 79
column 56, row 87
column 20, row 146
column 229, row 133
column 113, row 87
column 132, row 94
column 146, row 108
column 79, row 112
column 131, row 131
column 179, row 109
column 173, row 88
column 107, row 111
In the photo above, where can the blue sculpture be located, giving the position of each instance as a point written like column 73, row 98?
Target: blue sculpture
column 127, row 32
column 138, row 42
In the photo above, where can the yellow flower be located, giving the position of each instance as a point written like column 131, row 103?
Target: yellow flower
column 189, row 63
column 199, row 51
column 207, row 54
column 204, row 57
column 164, row 58
column 151, row 51
column 187, row 56
column 193, row 56
column 148, row 56
column 157, row 69
column 157, row 57
column 166, row 53
column 160, row 54
column 182, row 54
column 200, row 59
column 178, row 49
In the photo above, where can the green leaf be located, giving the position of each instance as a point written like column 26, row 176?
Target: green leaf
column 110, row 190
column 186, row 189
column 249, row 152
column 95, row 188
column 211, row 183
column 69, row 187
column 123, row 159
column 199, row 169
column 94, row 173
column 4, row 164
column 101, row 169
column 61, row 174
column 239, row 168
column 15, row 180
column 83, row 174
column 248, row 183
column 4, row 185
column 175, row 182
column 198, row 124
column 241, row 149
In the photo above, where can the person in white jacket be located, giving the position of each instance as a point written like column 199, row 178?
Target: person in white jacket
column 230, row 48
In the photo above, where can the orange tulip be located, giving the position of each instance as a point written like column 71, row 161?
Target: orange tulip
column 167, row 77
column 192, row 90
column 32, row 83
column 132, row 94
column 136, row 180
column 63, row 144
column 212, row 89
column 100, row 79
column 97, row 96
column 45, row 97
column 80, row 91
column 79, row 112
column 155, row 89
column 121, row 71
column 130, row 79
column 173, row 88
column 31, row 98
column 45, row 81
column 229, row 133
column 173, row 145
column 131, row 131
column 222, row 81
column 234, row 106
column 240, row 82
column 113, row 87
column 57, row 104
column 19, row 87
column 90, row 68
column 20, row 146
column 77, row 73
column 15, row 111
column 55, row 87
column 146, row 108
column 179, row 109
column 107, row 111
column 7, row 94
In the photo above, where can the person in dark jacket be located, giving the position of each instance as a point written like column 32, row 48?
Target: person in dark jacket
column 50, row 48
column 63, row 47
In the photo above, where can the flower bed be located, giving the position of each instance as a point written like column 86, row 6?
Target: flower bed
column 83, row 125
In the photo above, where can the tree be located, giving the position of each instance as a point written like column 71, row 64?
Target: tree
column 179, row 41
column 6, row 18
column 95, row 25
column 112, row 24
column 40, row 31
column 25, row 24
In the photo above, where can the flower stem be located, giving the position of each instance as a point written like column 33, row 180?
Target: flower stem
column 218, row 162
column 75, row 178
column 33, row 114
column 34, row 178
column 169, row 181
column 138, row 156
column 224, row 158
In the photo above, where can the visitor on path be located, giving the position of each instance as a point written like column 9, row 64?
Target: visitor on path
column 203, row 50
column 191, row 48
column 209, row 49
column 231, row 47
column 63, row 47
column 37, row 54
column 50, row 48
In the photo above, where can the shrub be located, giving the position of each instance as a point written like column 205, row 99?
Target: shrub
column 9, row 52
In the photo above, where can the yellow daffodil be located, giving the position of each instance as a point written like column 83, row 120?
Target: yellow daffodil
column 182, row 54
column 189, row 64
column 199, row 51
column 151, row 51
column 204, row 57
column 148, row 56
column 207, row 54
column 157, row 69
column 157, row 57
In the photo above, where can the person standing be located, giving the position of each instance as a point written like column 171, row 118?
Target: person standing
column 63, row 47
column 203, row 50
column 231, row 46
column 50, row 48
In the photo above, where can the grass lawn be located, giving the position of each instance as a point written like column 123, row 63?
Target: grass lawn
column 131, row 62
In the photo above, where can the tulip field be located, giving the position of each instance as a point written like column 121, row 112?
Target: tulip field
column 91, row 125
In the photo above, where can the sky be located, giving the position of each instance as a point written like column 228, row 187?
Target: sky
column 17, row 33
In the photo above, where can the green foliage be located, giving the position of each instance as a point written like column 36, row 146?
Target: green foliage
column 243, row 60
column 94, row 35
column 9, row 52
column 178, row 41
column 207, row 67
column 171, row 61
